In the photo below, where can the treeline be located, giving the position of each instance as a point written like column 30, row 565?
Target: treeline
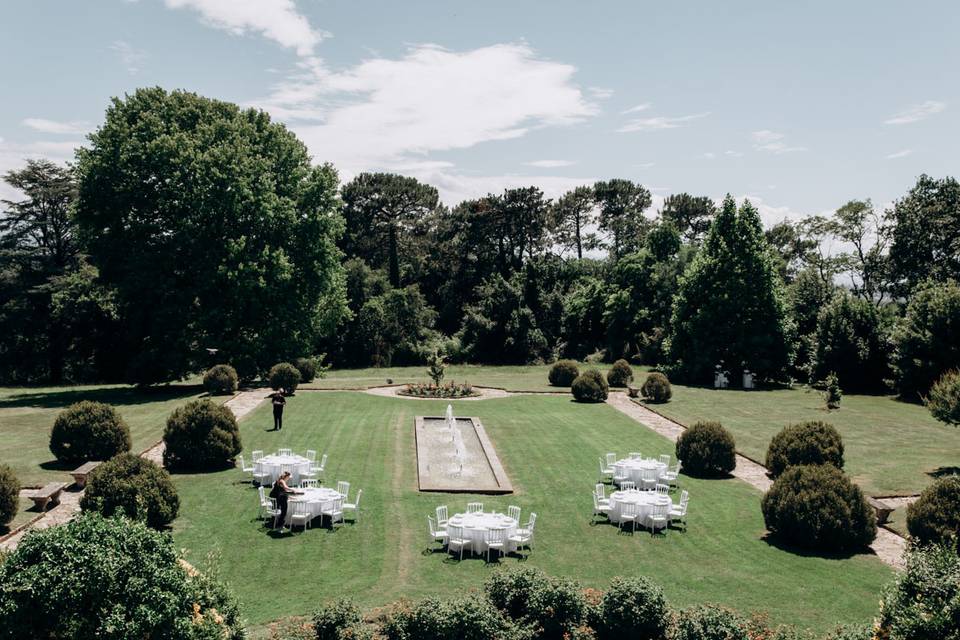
column 190, row 232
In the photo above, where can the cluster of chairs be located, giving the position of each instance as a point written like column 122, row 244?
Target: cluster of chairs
column 455, row 539
column 301, row 514
column 648, row 478
column 659, row 517
column 314, row 471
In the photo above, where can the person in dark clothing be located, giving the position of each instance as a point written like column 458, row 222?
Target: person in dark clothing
column 281, row 492
column 278, row 402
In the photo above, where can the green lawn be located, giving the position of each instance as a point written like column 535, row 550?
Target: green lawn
column 549, row 447
column 890, row 447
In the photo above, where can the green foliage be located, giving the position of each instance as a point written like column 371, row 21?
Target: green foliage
column 944, row 399
column 339, row 620
column 689, row 215
column 832, row 394
column 590, row 386
column 850, row 343
column 927, row 338
column 731, row 305
column 501, row 325
column 923, row 602
column 622, row 203
column 9, row 494
column 88, row 430
column 620, row 374
column 582, row 327
column 935, row 516
column 466, row 618
column 812, row 442
column 437, row 364
column 450, row 390
column 817, row 507
column 284, row 375
column 132, row 486
column 563, row 373
column 510, row 590
column 549, row 607
column 851, row 632
column 656, row 388
column 201, row 435
column 663, row 241
column 708, row 622
column 109, row 578
column 220, row 379
column 633, row 608
column 707, row 449
column 570, row 216
column 309, row 368
column 808, row 294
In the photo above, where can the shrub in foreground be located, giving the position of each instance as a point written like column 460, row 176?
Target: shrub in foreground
column 132, row 486
column 88, row 431
column 201, row 435
column 590, row 386
column 935, row 516
column 563, row 373
column 9, row 494
column 708, row 622
column 923, row 602
column 284, row 376
column 620, row 374
column 548, row 607
column 812, row 442
column 307, row 368
column 220, row 379
column 656, row 388
column 707, row 449
column 633, row 608
column 340, row 620
column 944, row 398
column 98, row 577
column 469, row 618
column 817, row 507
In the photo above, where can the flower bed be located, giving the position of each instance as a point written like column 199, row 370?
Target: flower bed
column 450, row 390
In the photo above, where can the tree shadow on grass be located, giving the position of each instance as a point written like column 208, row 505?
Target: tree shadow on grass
column 117, row 396
column 776, row 543
column 941, row 472
column 56, row 465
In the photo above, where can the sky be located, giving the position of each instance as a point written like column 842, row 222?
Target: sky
column 799, row 106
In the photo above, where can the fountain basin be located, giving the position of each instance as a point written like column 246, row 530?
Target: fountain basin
column 457, row 456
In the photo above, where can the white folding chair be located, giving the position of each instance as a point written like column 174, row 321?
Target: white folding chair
column 436, row 534
column 658, row 518
column 343, row 488
column 321, row 469
column 243, row 465
column 611, row 459
column 636, row 455
column 442, row 518
column 628, row 485
column 601, row 493
column 513, row 511
column 474, row 507
column 333, row 510
column 354, row 506
column 285, row 452
column 301, row 514
column 261, row 477
column 456, row 541
column 273, row 511
column 663, row 489
column 264, row 502
column 311, row 455
column 673, row 477
column 678, row 513
column 649, row 479
column 605, row 471
column 665, row 459
column 620, row 476
column 496, row 540
column 629, row 512
column 524, row 536
column 309, row 483
column 256, row 454
column 600, row 508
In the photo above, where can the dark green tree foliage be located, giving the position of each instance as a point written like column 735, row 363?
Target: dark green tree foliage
column 663, row 241
column 548, row 607
column 466, row 618
column 944, row 398
column 791, row 246
column 813, row 442
column 707, row 449
column 571, row 217
column 927, row 339
column 620, row 374
column 220, row 379
column 89, row 430
column 563, row 373
column 284, row 375
column 633, row 608
column 935, row 516
column 622, row 203
column 709, row 622
column 308, row 368
column 214, row 229
column 857, row 225
column 808, row 294
column 850, row 343
column 9, row 494
column 502, row 326
column 731, row 304
column 656, row 388
column 582, row 328
column 201, row 435
column 590, row 386
column 132, row 486
column 923, row 602
column 689, row 215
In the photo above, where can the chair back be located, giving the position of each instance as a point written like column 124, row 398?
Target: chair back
column 311, row 455
column 636, row 455
column 531, row 522
column 603, row 466
column 285, row 452
column 338, row 505
column 300, row 508
column 323, row 461
column 611, row 459
column 629, row 510
column 665, row 459
column 432, row 526
column 243, row 465
column 310, row 483
column 684, row 496
column 596, row 502
column 263, row 496
column 455, row 533
column 660, row 510
column 495, row 536
column 343, row 488
column 359, row 494
column 663, row 489
column 626, row 485
column 514, row 512
column 256, row 455
column 474, row 507
column 600, row 491
column 442, row 513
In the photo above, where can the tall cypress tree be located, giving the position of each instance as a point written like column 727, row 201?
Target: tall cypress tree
column 731, row 305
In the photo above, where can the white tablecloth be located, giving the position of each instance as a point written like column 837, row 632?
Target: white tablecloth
column 315, row 499
column 635, row 468
column 476, row 525
column 273, row 464
column 644, row 499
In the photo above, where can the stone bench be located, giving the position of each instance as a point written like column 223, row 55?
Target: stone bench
column 48, row 493
column 80, row 473
column 882, row 508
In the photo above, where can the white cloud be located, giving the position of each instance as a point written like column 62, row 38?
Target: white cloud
column 659, row 123
column 636, row 109
column 917, row 112
column 550, row 164
column 733, row 154
column 277, row 20
column 75, row 127
column 644, row 165
column 130, row 56
column 766, row 140
column 708, row 155
column 903, row 153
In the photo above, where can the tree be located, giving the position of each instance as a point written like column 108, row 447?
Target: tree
column 808, row 294
column 622, row 203
column 791, row 246
column 571, row 216
column 850, row 343
column 690, row 215
column 856, row 224
column 731, row 305
column 215, row 231
column 927, row 338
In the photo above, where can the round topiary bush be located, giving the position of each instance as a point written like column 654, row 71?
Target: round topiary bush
column 707, row 449
column 943, row 401
column 98, row 577
column 338, row 621
column 220, row 379
column 563, row 373
column 284, row 376
column 935, row 516
column 811, row 442
column 620, row 374
column 88, row 431
column 509, row 591
column 9, row 494
column 467, row 618
column 633, row 608
column 556, row 607
column 708, row 622
column 817, row 507
column 656, row 388
column 590, row 386
column 132, row 486
column 201, row 435
column 307, row 368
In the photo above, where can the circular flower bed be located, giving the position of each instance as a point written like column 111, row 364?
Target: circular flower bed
column 450, row 390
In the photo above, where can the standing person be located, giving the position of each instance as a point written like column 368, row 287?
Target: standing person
column 281, row 492
column 279, row 401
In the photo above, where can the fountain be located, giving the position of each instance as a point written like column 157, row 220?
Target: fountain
column 455, row 454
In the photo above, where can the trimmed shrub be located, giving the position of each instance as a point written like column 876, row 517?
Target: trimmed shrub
column 284, row 376
column 633, row 608
column 98, row 577
column 220, row 379
column 201, row 435
column 708, row 622
column 620, row 374
column 563, row 373
column 812, row 442
column 132, row 486
column 509, row 591
column 707, row 449
column 590, row 386
column 88, row 431
column 944, row 399
column 656, row 388
column 307, row 368
column 927, row 338
column 9, row 494
column 935, row 516
column 467, row 618
column 556, row 607
column 923, row 602
column 817, row 507
column 338, row 620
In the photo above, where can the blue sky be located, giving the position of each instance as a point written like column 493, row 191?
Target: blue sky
column 800, row 106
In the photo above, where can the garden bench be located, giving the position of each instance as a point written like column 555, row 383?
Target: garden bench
column 80, row 473
column 882, row 508
column 48, row 493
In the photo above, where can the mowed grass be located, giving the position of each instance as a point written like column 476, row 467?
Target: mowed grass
column 549, row 447
column 890, row 447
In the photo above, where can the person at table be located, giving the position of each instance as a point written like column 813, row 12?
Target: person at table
column 278, row 400
column 281, row 492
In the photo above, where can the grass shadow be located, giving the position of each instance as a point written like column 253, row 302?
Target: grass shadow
column 56, row 465
column 941, row 472
column 776, row 543
column 117, row 396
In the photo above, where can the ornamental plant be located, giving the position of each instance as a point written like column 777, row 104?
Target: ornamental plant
column 9, row 494
column 707, row 449
column 656, row 388
column 220, row 379
column 284, row 376
column 563, row 373
column 633, row 608
column 620, row 374
column 88, row 431
column 132, row 486
column 923, row 602
column 944, row 398
column 708, row 622
column 935, row 516
column 590, row 386
column 201, row 435
column 812, row 442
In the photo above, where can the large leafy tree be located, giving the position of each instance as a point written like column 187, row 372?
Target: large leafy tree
column 573, row 216
column 927, row 338
column 851, row 344
column 215, row 231
column 858, row 226
column 622, row 203
column 731, row 305
column 690, row 215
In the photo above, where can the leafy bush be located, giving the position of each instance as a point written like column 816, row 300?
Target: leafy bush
column 935, row 516
column 923, row 602
column 620, row 374
column 467, row 618
column 927, row 338
column 556, row 607
column 633, row 608
column 284, row 376
column 817, row 507
column 338, row 620
column 9, row 494
column 220, row 379
column 98, row 577
column 850, row 342
column 832, row 394
column 510, row 591
column 707, row 449
column 563, row 373
column 812, row 442
column 863, row 632
column 133, row 486
column 201, row 435
column 449, row 390
column 590, row 386
column 708, row 622
column 307, row 368
column 656, row 388
column 944, row 399
column 88, row 431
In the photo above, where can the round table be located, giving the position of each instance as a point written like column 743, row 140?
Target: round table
column 635, row 468
column 476, row 525
column 316, row 499
column 274, row 464
column 645, row 500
